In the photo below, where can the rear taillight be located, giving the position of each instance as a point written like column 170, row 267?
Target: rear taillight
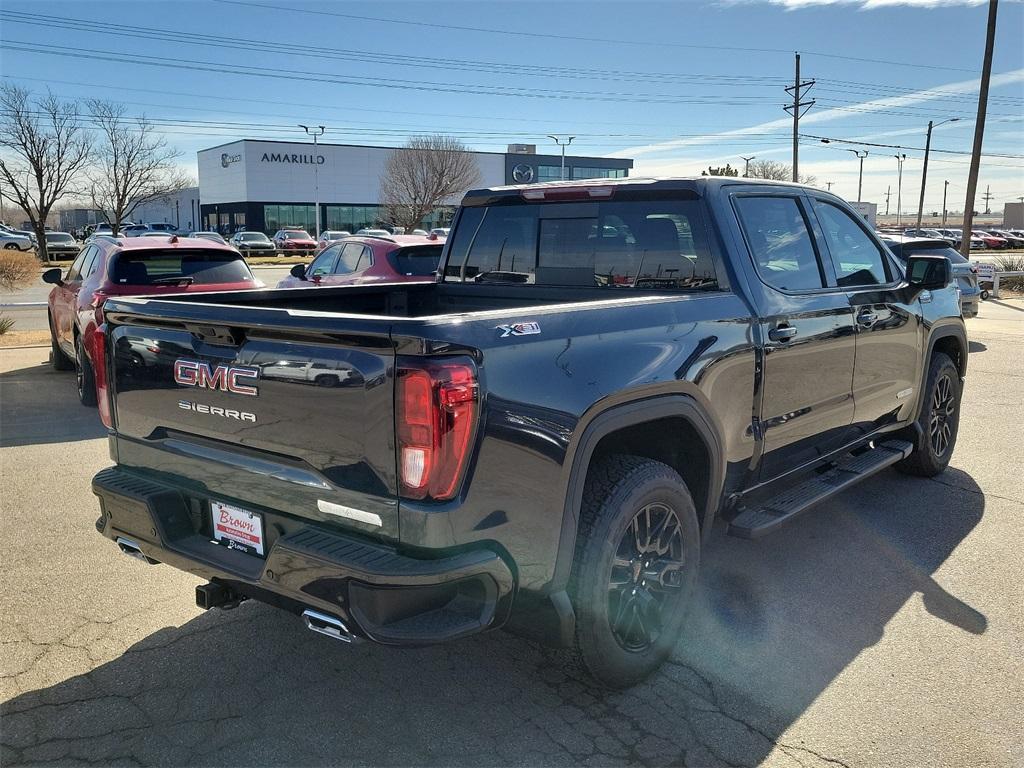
column 99, row 367
column 437, row 409
column 98, row 297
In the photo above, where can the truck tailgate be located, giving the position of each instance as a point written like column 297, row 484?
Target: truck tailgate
column 281, row 413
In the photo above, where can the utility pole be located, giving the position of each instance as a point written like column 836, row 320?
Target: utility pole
column 899, row 187
column 979, row 129
column 316, row 171
column 797, row 90
column 558, row 141
column 746, row 167
column 945, row 189
column 860, row 178
column 924, row 171
column 888, row 194
column 987, row 197
column 829, row 185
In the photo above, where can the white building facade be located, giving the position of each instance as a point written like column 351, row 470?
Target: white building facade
column 268, row 185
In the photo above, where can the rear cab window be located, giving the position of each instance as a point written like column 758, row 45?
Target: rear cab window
column 779, row 238
column 158, row 266
column 657, row 243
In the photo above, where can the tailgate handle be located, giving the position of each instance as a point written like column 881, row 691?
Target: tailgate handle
column 217, row 334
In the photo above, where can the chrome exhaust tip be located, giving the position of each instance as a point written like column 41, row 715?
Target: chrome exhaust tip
column 328, row 625
column 131, row 549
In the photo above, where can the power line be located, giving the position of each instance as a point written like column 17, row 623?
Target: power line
column 579, row 38
column 418, row 62
column 417, row 85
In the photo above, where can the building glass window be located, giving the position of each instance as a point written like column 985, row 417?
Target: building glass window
column 550, row 173
column 579, row 172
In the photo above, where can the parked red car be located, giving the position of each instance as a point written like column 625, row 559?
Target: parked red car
column 111, row 266
column 296, row 240
column 393, row 259
column 991, row 241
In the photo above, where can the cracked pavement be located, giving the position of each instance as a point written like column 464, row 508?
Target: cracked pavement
column 884, row 628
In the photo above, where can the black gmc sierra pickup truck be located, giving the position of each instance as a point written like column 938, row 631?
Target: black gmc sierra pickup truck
column 543, row 437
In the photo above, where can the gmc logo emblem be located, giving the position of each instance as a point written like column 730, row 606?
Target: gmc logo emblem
column 227, row 378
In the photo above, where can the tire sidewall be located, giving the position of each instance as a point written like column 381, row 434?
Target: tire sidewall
column 601, row 653
column 87, row 390
column 941, row 364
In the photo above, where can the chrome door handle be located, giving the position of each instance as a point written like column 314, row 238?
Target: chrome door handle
column 782, row 333
column 867, row 319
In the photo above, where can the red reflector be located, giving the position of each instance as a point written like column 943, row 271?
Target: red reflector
column 437, row 404
column 567, row 193
column 99, row 367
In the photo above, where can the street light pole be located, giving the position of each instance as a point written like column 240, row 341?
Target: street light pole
column 924, row 171
column 860, row 178
column 558, row 141
column 899, row 186
column 945, row 189
column 746, row 167
column 316, row 171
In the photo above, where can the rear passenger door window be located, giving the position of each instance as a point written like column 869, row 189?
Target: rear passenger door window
column 857, row 259
column 355, row 257
column 780, row 242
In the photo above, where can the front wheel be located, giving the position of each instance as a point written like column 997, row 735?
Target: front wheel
column 86, row 378
column 637, row 555
column 939, row 420
column 11, row 247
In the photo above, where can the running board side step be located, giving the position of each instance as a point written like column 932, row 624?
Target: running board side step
column 754, row 522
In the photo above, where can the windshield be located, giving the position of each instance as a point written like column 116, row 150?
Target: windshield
column 59, row 237
column 296, row 236
column 254, row 237
column 179, row 267
column 418, row 260
column 657, row 243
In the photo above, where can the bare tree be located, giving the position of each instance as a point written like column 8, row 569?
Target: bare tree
column 775, row 171
column 424, row 174
column 45, row 149
column 134, row 164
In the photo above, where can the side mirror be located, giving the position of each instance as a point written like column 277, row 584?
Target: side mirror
column 53, row 276
column 299, row 271
column 928, row 273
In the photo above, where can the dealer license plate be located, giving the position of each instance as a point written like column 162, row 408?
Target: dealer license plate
column 237, row 528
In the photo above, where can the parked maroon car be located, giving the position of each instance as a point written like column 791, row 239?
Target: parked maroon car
column 393, row 259
column 111, row 266
column 294, row 240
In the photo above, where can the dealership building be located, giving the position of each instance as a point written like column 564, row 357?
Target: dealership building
column 269, row 185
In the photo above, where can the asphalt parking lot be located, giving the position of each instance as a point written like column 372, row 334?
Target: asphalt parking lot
column 885, row 628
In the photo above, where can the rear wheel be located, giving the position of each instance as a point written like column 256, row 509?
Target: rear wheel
column 939, row 420
column 84, row 374
column 11, row 247
column 637, row 555
column 58, row 359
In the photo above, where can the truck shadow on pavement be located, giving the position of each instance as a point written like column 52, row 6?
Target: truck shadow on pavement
column 39, row 405
column 776, row 621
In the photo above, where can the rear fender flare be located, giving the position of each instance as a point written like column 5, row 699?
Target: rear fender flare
column 616, row 418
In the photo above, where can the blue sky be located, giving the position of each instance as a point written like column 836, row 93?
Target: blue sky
column 677, row 86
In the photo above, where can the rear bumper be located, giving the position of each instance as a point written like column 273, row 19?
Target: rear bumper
column 381, row 595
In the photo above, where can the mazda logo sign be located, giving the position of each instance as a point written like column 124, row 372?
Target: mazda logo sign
column 522, row 173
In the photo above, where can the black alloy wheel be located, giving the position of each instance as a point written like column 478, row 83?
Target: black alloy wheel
column 646, row 573
column 943, row 409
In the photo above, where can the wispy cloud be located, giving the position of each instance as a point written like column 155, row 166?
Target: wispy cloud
column 828, row 115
